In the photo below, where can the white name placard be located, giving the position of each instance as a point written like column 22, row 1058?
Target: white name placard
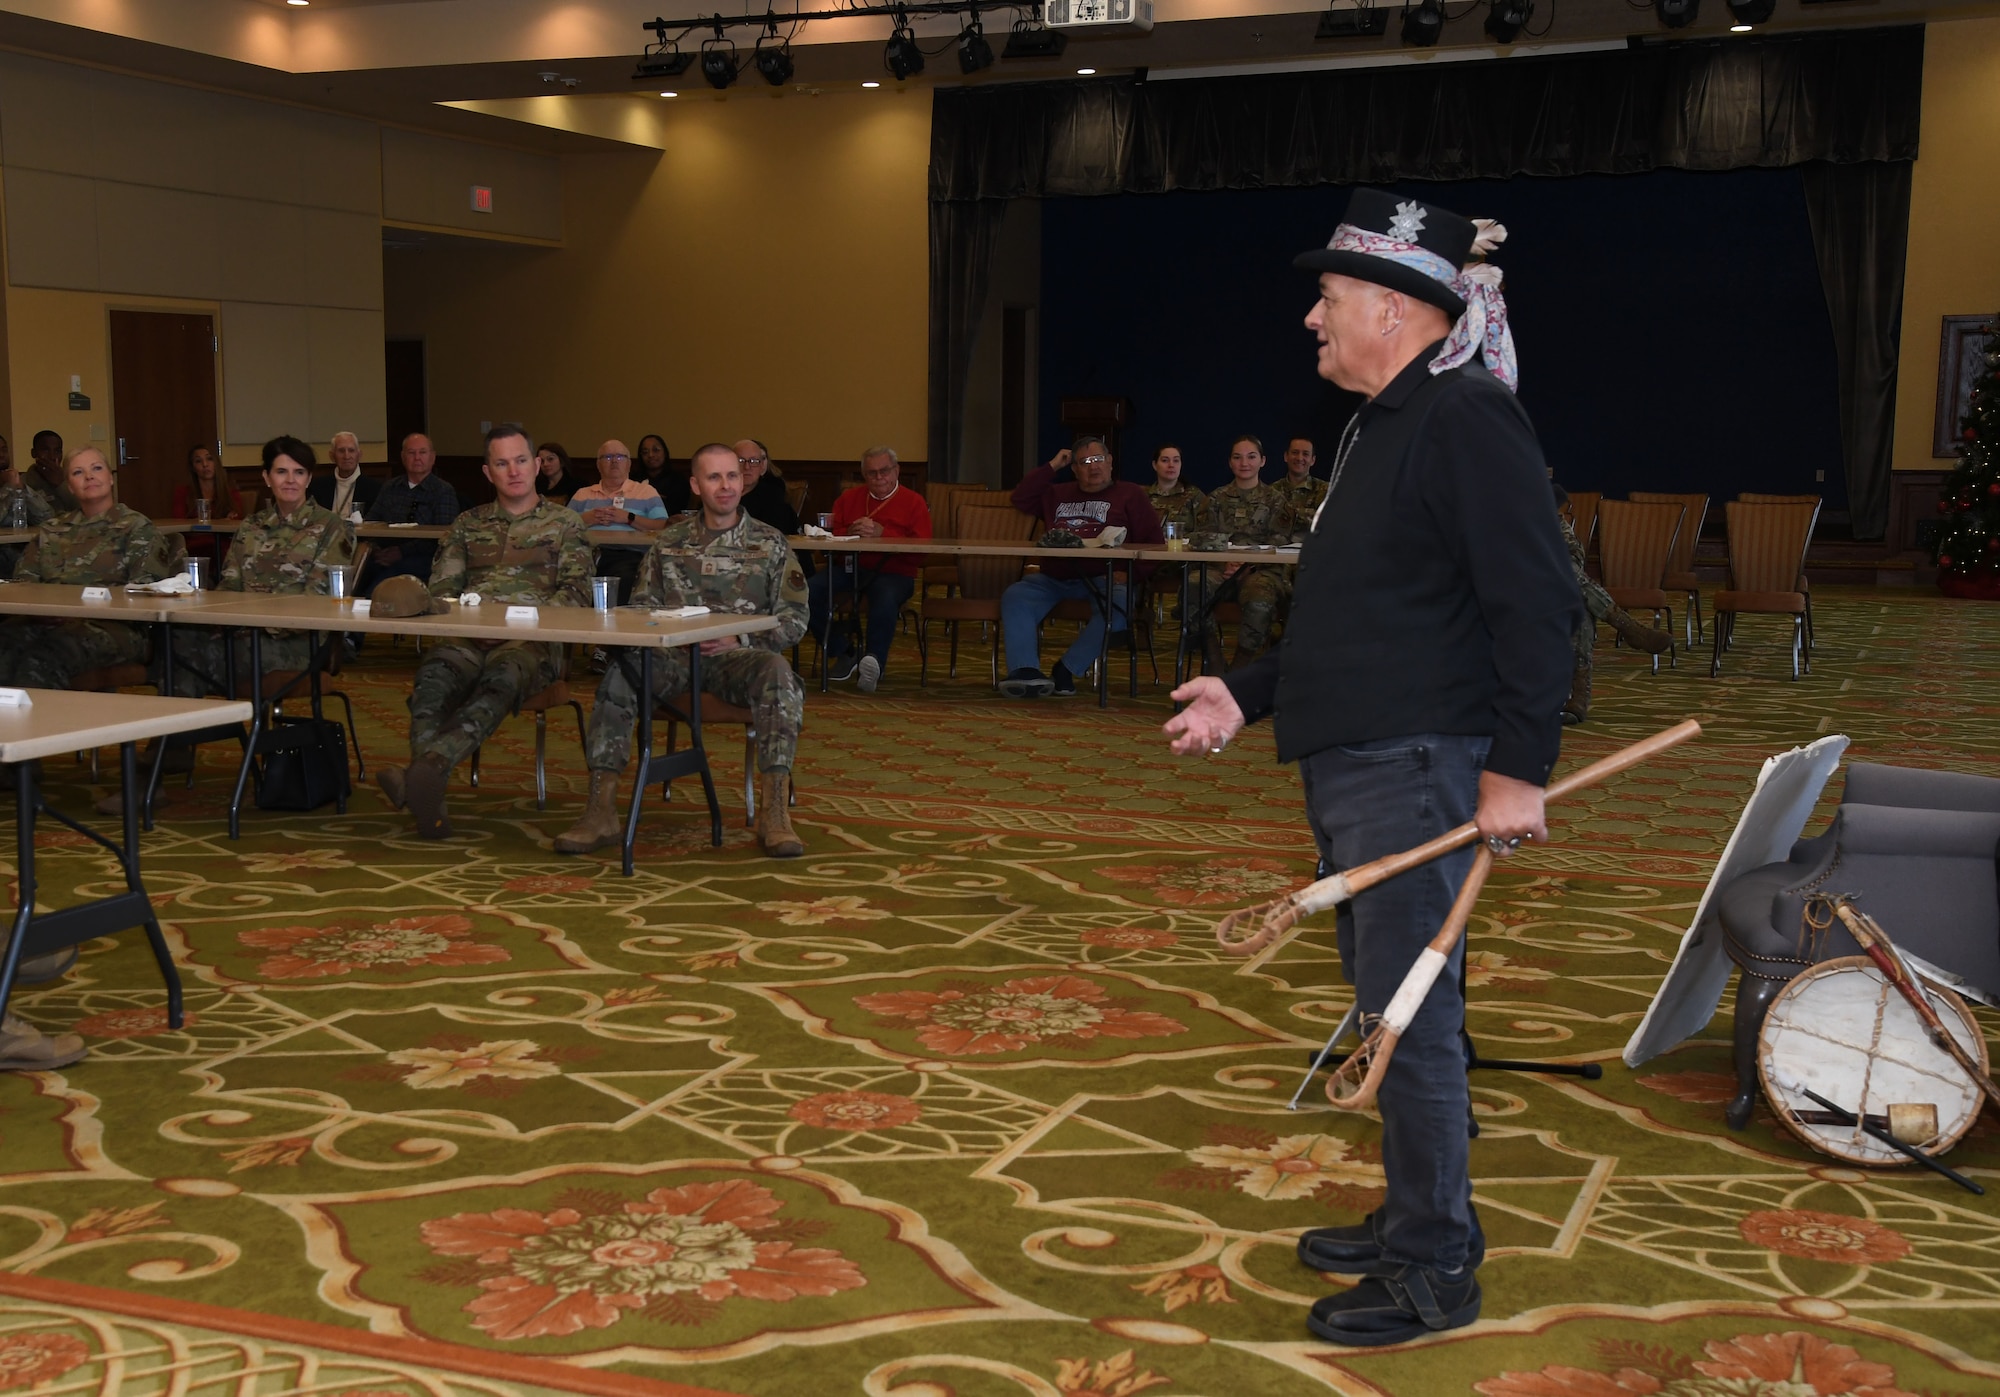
column 97, row 594
column 15, row 698
column 524, row 613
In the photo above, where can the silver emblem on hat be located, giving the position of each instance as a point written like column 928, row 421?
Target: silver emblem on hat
column 1408, row 222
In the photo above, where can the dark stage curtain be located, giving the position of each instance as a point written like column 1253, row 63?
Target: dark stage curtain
column 1841, row 98
column 1860, row 224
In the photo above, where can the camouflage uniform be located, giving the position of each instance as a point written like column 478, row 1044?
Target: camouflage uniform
column 274, row 555
column 119, row 546
column 1305, row 496
column 1186, row 507
column 1262, row 515
column 38, row 512
column 464, row 689
column 54, row 494
column 748, row 570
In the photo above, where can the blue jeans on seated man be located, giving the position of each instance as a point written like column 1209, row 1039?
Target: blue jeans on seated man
column 1023, row 605
column 1364, row 801
column 882, row 598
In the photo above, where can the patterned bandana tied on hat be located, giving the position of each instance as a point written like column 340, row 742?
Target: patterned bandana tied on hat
column 1483, row 328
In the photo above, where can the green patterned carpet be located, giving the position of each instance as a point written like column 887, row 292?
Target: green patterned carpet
column 965, row 1101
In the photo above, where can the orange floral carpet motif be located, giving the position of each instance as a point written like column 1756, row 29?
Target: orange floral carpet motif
column 965, row 1101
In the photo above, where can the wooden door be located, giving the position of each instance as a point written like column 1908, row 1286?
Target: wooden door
column 163, row 402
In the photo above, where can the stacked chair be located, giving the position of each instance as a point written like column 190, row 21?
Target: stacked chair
column 1767, row 555
column 1680, row 567
column 1636, row 543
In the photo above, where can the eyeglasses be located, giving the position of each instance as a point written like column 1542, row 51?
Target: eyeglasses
column 753, row 460
column 1093, row 460
column 614, row 456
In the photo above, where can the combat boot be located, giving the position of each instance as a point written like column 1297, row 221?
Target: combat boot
column 1576, row 707
column 774, row 818
column 25, row 1048
column 599, row 825
column 390, row 779
column 423, row 788
column 1648, row 639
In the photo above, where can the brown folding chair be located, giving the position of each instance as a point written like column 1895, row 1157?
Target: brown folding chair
column 795, row 496
column 980, row 580
column 942, row 500
column 556, row 695
column 1767, row 552
column 1805, row 583
column 1582, row 512
column 1680, row 568
column 1635, row 542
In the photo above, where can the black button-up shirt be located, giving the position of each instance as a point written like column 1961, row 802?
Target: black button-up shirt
column 1435, row 594
column 430, row 501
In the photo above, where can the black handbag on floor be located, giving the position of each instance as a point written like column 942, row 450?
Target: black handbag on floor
column 310, row 768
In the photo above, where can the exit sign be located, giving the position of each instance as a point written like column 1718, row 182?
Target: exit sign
column 482, row 198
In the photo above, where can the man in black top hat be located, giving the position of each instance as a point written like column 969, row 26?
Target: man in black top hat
column 1419, row 685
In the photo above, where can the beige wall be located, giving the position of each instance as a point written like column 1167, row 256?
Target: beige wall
column 766, row 274
column 1954, row 214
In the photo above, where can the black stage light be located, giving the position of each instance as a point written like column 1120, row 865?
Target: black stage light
column 718, row 62
column 1366, row 22
column 1753, row 11
column 902, row 56
column 1027, row 41
column 775, row 64
column 1676, row 14
column 1423, row 25
column 661, row 61
column 974, row 53
column 1507, row 18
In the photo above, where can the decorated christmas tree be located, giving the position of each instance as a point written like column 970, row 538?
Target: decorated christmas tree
column 1968, row 539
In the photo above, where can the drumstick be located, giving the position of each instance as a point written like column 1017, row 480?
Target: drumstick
column 1843, row 1116
column 1276, row 918
column 1370, row 1061
column 1868, row 932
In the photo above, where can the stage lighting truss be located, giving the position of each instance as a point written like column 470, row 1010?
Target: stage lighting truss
column 902, row 56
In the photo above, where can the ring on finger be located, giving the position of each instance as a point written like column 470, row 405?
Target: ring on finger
column 1501, row 846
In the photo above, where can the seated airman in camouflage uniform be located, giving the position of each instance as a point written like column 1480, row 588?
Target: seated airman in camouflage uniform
column 283, row 549
column 724, row 560
column 1301, row 486
column 35, row 512
column 1177, row 504
column 520, row 549
column 1248, row 511
column 99, row 544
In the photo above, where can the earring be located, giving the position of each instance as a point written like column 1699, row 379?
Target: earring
column 1388, row 330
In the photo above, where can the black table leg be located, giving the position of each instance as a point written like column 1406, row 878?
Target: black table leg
column 692, row 761
column 72, row 926
column 256, row 726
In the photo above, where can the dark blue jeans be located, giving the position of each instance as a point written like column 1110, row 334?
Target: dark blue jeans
column 882, row 598
column 1364, row 801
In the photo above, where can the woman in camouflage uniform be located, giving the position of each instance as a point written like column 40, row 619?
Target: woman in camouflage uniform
column 282, row 549
column 101, row 543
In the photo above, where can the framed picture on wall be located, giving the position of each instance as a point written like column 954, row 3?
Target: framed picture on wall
column 1959, row 363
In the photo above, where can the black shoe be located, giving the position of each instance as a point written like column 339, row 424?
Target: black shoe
column 1061, row 682
column 1351, row 1251
column 1026, row 683
column 840, row 668
column 1401, row 1303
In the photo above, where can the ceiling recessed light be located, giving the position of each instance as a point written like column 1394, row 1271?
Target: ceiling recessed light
column 871, row 84
column 300, row 3
column 670, row 94
column 1086, row 72
column 1739, row 28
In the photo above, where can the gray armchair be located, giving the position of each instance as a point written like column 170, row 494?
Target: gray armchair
column 1918, row 849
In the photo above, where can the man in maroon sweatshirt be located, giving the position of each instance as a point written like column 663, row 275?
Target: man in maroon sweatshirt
column 1086, row 505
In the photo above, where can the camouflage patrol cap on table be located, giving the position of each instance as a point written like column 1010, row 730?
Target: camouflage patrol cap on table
column 403, row 596
column 1059, row 538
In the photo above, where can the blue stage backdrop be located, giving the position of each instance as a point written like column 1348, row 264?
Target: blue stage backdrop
column 1672, row 330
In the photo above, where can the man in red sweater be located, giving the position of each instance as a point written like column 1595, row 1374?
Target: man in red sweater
column 1087, row 504
column 879, row 507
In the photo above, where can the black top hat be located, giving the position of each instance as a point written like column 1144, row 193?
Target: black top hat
column 1410, row 221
